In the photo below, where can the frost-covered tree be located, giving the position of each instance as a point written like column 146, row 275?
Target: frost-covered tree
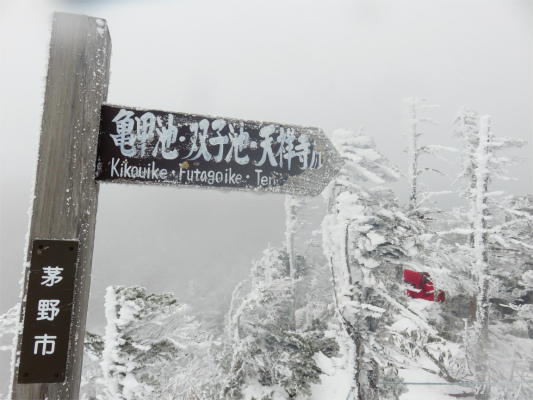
column 414, row 125
column 368, row 240
column 294, row 206
column 8, row 326
column 148, row 345
column 485, row 162
column 264, row 355
column 92, row 383
column 466, row 130
column 314, row 306
column 362, row 240
column 208, row 303
column 480, row 166
column 311, row 287
column 511, row 253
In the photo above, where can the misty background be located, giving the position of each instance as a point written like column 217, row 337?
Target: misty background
column 316, row 63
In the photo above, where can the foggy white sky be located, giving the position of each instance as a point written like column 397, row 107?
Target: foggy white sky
column 325, row 64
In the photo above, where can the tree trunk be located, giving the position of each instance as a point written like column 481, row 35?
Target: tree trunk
column 481, row 268
column 373, row 380
column 290, row 211
column 482, row 331
column 357, row 375
column 412, row 156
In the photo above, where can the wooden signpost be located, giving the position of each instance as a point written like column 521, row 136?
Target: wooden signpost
column 65, row 196
column 134, row 146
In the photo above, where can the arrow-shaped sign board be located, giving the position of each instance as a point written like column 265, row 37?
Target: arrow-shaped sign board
column 167, row 148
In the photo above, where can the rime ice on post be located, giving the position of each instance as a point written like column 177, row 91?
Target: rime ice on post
column 76, row 87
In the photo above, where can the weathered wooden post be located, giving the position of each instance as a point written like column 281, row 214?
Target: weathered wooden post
column 65, row 200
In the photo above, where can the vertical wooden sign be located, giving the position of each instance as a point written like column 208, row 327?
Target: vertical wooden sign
column 48, row 314
column 66, row 194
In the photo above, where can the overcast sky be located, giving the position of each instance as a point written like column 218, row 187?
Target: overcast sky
column 321, row 63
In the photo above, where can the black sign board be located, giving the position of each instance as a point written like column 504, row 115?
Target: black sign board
column 157, row 147
column 45, row 338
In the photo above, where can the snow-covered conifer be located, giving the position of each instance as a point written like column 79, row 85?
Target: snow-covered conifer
column 480, row 166
column 263, row 350
column 466, row 130
column 92, row 383
column 293, row 224
column 294, row 206
column 8, row 326
column 148, row 343
column 360, row 241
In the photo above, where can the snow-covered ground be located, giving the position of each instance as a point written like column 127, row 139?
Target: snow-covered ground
column 428, row 391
